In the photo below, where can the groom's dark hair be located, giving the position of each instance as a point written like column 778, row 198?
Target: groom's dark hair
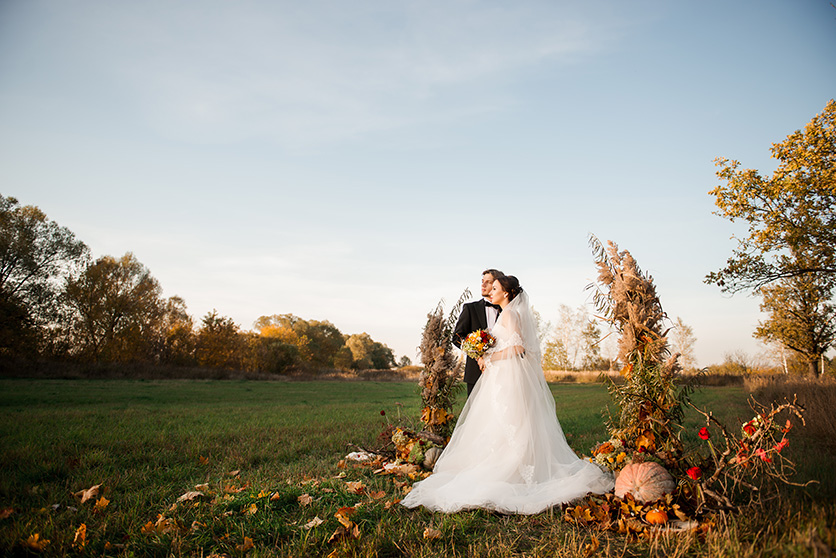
column 495, row 273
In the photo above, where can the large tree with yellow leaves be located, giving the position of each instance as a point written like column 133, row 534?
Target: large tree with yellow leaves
column 791, row 215
column 789, row 254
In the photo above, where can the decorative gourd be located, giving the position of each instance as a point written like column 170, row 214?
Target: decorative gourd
column 431, row 456
column 646, row 481
column 656, row 517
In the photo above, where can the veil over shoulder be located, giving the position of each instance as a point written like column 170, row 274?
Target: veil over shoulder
column 508, row 452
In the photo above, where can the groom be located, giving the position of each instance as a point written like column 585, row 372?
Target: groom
column 480, row 314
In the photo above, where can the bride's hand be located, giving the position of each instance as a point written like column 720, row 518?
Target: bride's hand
column 481, row 362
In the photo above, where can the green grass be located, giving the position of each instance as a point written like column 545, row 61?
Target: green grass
column 148, row 442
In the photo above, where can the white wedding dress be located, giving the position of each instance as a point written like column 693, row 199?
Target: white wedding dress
column 508, row 452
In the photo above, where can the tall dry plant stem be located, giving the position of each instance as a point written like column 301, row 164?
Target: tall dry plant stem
column 650, row 402
column 439, row 379
column 627, row 299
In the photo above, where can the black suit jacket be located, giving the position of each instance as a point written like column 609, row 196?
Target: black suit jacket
column 472, row 318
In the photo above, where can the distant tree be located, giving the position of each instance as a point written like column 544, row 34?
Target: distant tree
column 36, row 256
column 735, row 363
column 219, row 342
column 383, row 357
column 404, row 361
column 344, row 359
column 789, row 256
column 283, row 327
column 317, row 341
column 18, row 332
column 176, row 333
column 368, row 353
column 801, row 317
column 564, row 350
column 682, row 341
column 555, row 355
column 324, row 340
column 591, row 350
column 116, row 309
column 791, row 216
column 269, row 354
column 544, row 327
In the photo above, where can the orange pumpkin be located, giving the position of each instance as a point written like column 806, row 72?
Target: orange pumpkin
column 646, row 481
column 656, row 517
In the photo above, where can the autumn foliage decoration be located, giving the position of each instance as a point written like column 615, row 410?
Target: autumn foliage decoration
column 438, row 380
column 650, row 402
column 717, row 471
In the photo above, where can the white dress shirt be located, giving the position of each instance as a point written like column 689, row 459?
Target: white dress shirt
column 491, row 313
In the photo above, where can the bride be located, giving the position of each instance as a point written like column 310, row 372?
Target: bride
column 508, row 452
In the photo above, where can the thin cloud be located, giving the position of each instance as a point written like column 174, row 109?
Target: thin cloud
column 327, row 71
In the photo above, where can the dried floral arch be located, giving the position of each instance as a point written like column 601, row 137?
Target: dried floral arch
column 439, row 379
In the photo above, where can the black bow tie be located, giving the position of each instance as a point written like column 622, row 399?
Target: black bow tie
column 497, row 306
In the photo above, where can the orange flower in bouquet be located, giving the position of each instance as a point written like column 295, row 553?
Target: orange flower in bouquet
column 477, row 343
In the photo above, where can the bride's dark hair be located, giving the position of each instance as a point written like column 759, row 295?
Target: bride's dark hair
column 510, row 285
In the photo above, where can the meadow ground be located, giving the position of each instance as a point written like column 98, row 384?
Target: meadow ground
column 265, row 457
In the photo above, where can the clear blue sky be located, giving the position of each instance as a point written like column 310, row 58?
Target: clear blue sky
column 358, row 161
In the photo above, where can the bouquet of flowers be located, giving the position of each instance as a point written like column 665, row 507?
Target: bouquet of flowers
column 477, row 343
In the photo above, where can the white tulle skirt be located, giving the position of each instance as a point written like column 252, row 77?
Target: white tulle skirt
column 508, row 452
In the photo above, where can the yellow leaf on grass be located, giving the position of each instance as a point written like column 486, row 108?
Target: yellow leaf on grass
column 275, row 496
column 592, row 547
column 345, row 532
column 342, row 516
column 315, row 522
column 305, row 500
column 101, row 504
column 203, row 460
column 80, row 538
column 355, row 487
column 188, row 496
column 246, row 546
column 232, row 489
column 377, row 495
column 252, row 510
column 162, row 526
column 430, row 533
column 35, row 542
column 202, row 487
column 165, row 525
column 88, row 493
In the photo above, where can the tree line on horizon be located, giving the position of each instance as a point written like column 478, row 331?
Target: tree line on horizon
column 55, row 303
column 59, row 305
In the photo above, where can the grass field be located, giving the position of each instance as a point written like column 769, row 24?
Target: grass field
column 266, row 458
